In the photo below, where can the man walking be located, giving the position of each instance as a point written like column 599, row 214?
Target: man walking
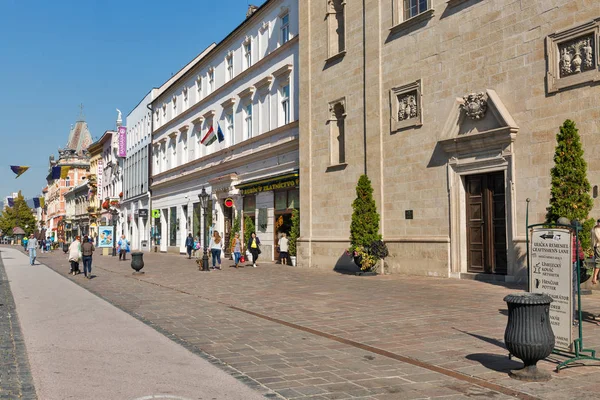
column 189, row 245
column 32, row 245
column 87, row 250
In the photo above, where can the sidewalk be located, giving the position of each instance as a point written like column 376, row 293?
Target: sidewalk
column 314, row 334
column 81, row 347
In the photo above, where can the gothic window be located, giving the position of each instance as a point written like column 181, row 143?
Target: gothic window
column 336, row 26
column 337, row 132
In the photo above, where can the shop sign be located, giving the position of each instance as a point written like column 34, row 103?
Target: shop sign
column 155, row 213
column 228, row 202
column 290, row 183
column 143, row 213
column 551, row 273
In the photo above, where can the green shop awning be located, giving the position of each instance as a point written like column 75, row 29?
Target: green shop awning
column 285, row 181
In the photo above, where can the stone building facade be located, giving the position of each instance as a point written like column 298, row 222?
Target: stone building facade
column 247, row 87
column 452, row 109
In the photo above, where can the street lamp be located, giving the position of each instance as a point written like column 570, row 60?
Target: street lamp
column 203, row 197
column 114, row 212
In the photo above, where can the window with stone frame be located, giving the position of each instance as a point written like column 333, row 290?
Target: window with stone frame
column 406, row 106
column 230, row 128
column 412, row 8
column 336, row 27
column 572, row 57
column 229, row 66
column 248, row 52
column 284, row 95
column 211, row 80
column 285, row 28
column 337, row 132
column 198, row 88
column 248, row 120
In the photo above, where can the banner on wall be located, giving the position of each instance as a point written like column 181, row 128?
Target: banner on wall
column 100, row 175
column 122, row 141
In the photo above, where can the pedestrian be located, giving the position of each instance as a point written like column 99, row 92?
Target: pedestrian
column 32, row 245
column 48, row 245
column 283, row 249
column 196, row 246
column 123, row 247
column 189, row 245
column 42, row 245
column 75, row 255
column 595, row 245
column 236, row 249
column 87, row 250
column 216, row 246
column 24, row 242
column 254, row 247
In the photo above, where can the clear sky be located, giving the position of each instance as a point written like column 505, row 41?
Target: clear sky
column 56, row 55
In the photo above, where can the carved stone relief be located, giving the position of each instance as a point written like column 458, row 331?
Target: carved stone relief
column 407, row 106
column 576, row 56
column 475, row 105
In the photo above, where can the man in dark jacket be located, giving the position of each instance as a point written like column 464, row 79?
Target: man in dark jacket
column 189, row 245
column 87, row 250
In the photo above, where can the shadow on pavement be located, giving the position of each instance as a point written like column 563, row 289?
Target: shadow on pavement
column 484, row 338
column 495, row 362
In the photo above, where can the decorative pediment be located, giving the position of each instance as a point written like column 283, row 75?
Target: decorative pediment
column 184, row 128
column 198, row 121
column 478, row 121
column 228, row 103
column 173, row 135
column 283, row 72
column 209, row 114
column 248, row 92
column 264, row 83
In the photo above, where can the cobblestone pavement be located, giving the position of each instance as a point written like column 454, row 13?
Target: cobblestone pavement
column 15, row 375
column 312, row 334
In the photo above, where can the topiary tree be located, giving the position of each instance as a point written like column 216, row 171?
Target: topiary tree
column 364, row 228
column 248, row 229
column 237, row 224
column 570, row 196
column 294, row 232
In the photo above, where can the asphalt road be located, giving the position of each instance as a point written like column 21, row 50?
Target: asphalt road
column 81, row 347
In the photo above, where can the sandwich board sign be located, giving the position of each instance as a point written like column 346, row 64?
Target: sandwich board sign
column 551, row 273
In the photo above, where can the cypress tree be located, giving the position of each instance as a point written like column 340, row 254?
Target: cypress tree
column 248, row 229
column 294, row 232
column 364, row 228
column 570, row 196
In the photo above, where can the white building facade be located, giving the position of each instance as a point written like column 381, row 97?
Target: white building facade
column 135, row 206
column 246, row 86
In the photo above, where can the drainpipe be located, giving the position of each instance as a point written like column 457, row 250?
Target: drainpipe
column 148, row 183
column 364, row 21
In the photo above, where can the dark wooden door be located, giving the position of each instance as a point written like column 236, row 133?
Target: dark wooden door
column 227, row 216
column 486, row 223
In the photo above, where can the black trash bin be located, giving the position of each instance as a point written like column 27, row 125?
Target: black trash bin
column 137, row 261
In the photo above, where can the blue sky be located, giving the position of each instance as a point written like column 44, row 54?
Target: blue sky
column 105, row 54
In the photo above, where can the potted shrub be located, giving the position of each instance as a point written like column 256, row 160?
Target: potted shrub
column 237, row 223
column 294, row 234
column 248, row 229
column 364, row 228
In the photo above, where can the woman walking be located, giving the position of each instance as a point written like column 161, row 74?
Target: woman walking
column 75, row 255
column 254, row 247
column 216, row 246
column 236, row 249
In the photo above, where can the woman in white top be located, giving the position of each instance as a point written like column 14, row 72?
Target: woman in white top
column 216, row 246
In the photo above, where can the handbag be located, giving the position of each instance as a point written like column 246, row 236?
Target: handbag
column 258, row 251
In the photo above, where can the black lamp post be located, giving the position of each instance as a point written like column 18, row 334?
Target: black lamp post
column 114, row 212
column 203, row 197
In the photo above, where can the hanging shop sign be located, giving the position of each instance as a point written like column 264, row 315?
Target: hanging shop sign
column 143, row 213
column 155, row 213
column 228, row 202
column 551, row 273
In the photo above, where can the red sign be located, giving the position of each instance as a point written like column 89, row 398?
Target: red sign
column 229, row 202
